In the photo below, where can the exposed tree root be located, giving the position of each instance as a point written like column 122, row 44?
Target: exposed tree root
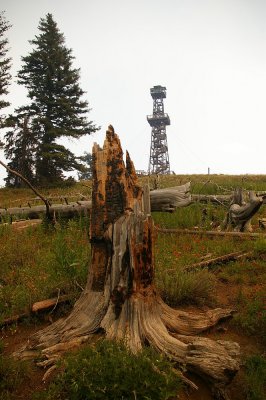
column 143, row 319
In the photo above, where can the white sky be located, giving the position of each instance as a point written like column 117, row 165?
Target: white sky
column 210, row 55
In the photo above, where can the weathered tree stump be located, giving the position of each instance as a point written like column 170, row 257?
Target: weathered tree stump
column 120, row 299
column 238, row 217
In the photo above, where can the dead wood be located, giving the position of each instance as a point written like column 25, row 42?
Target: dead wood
column 241, row 235
column 49, row 303
column 46, row 202
column 69, row 210
column 23, row 224
column 218, row 199
column 171, row 198
column 238, row 217
column 39, row 306
column 218, row 260
column 262, row 223
column 160, row 200
column 120, row 298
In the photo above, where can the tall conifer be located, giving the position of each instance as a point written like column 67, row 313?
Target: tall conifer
column 56, row 107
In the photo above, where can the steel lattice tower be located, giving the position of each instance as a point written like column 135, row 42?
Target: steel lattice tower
column 159, row 158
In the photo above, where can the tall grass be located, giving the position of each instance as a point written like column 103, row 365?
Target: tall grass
column 12, row 375
column 211, row 184
column 181, row 287
column 196, row 215
column 36, row 264
column 255, row 377
column 175, row 252
column 251, row 318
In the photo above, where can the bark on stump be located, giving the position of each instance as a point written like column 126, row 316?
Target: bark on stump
column 120, row 298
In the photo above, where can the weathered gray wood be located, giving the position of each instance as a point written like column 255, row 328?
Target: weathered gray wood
column 218, row 260
column 166, row 200
column 170, row 198
column 238, row 217
column 160, row 200
column 240, row 235
column 218, row 199
column 35, row 212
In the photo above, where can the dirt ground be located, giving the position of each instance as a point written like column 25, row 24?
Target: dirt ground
column 15, row 337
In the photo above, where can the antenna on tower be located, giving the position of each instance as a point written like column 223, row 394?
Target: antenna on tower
column 159, row 158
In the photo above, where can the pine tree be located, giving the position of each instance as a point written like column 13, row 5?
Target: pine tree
column 20, row 148
column 5, row 64
column 86, row 172
column 56, row 103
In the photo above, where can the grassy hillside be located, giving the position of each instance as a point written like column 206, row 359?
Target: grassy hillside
column 37, row 263
column 204, row 184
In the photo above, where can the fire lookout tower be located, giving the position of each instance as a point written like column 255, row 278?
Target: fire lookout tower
column 159, row 158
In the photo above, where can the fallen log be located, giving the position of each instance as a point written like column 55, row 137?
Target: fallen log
column 161, row 200
column 170, row 198
column 48, row 303
column 24, row 224
column 241, row 235
column 37, row 307
column 218, row 199
column 65, row 210
column 217, row 260
column 165, row 200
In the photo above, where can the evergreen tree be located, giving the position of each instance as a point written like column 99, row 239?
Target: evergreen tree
column 86, row 172
column 5, row 64
column 20, row 148
column 56, row 103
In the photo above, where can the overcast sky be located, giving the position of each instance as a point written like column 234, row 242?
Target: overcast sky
column 210, row 55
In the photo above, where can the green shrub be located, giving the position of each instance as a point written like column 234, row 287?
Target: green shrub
column 109, row 371
column 255, row 376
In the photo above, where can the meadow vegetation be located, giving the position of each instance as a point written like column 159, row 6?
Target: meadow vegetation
column 108, row 371
column 37, row 263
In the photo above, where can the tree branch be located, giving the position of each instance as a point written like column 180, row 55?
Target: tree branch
column 46, row 202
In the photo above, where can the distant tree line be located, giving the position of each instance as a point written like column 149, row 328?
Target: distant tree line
column 56, row 110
